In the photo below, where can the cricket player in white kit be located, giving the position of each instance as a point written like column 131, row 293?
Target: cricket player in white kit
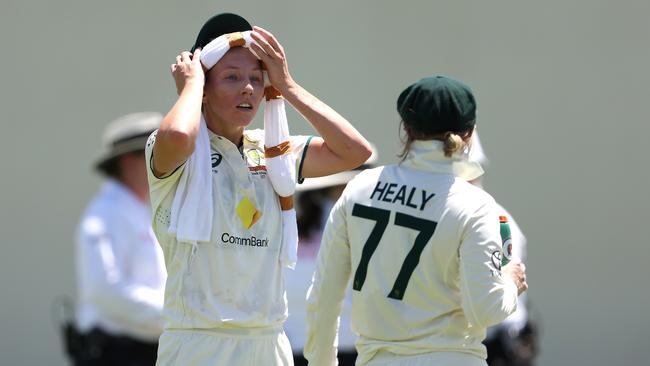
column 223, row 242
column 418, row 243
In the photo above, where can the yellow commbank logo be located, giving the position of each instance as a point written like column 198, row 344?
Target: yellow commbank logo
column 247, row 213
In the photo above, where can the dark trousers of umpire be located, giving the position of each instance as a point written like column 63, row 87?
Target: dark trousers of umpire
column 346, row 358
column 504, row 349
column 102, row 349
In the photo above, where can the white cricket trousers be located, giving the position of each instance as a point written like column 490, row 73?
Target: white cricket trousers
column 427, row 359
column 224, row 347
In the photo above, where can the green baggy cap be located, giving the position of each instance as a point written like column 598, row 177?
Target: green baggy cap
column 437, row 104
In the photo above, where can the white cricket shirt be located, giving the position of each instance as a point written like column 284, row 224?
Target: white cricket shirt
column 298, row 282
column 517, row 320
column 421, row 247
column 235, row 280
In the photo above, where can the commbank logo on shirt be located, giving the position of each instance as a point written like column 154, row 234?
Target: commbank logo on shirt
column 252, row 241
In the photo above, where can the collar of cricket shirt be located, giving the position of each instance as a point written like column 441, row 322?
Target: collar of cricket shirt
column 251, row 139
column 429, row 155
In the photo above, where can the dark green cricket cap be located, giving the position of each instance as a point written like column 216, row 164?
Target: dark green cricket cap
column 219, row 25
column 437, row 104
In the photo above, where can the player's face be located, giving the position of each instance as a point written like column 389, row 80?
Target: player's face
column 234, row 89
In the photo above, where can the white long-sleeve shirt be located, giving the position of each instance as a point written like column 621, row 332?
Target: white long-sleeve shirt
column 517, row 320
column 297, row 283
column 422, row 248
column 120, row 266
column 236, row 279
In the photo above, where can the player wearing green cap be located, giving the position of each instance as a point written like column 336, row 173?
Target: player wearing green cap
column 417, row 242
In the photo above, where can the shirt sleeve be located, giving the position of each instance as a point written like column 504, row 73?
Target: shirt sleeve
column 159, row 187
column 300, row 146
column 518, row 239
column 486, row 296
column 516, row 320
column 133, row 305
column 325, row 297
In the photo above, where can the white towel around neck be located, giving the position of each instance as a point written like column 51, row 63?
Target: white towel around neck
column 192, row 211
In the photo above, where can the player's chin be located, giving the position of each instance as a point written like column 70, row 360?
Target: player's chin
column 244, row 117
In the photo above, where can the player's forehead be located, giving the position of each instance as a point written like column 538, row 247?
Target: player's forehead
column 239, row 58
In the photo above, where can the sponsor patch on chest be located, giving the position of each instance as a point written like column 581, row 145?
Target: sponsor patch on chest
column 251, row 241
column 255, row 162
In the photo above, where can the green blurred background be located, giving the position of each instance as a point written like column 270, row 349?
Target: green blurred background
column 563, row 89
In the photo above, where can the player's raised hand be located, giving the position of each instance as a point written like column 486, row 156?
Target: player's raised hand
column 271, row 52
column 517, row 271
column 188, row 70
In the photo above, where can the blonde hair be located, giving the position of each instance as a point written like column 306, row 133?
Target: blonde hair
column 453, row 141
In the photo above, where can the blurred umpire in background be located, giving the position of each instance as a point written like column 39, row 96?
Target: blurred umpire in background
column 120, row 268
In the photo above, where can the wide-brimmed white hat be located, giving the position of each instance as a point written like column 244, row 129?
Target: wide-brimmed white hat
column 338, row 178
column 126, row 134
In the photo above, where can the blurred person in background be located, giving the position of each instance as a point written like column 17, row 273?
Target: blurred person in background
column 120, row 267
column 513, row 342
column 418, row 242
column 314, row 200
